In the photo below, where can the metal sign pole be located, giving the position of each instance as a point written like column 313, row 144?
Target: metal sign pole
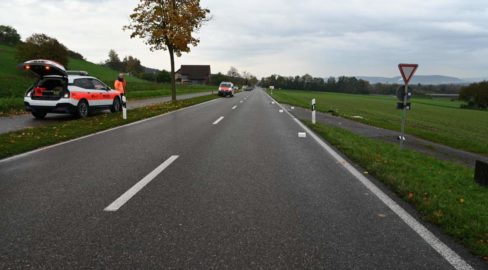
column 404, row 116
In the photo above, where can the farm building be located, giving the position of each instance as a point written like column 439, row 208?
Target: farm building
column 193, row 74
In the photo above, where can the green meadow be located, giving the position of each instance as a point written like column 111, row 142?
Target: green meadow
column 440, row 121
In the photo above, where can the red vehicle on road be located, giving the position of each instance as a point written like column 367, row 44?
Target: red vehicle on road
column 226, row 89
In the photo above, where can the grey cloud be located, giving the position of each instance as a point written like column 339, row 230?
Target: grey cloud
column 290, row 37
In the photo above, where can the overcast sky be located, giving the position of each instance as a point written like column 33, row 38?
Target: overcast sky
column 320, row 37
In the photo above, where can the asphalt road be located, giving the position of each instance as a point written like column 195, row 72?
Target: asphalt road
column 18, row 122
column 193, row 190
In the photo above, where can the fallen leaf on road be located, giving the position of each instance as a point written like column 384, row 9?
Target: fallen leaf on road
column 381, row 215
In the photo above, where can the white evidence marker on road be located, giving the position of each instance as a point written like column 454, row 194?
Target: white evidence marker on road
column 292, row 108
column 139, row 185
column 241, row 101
column 281, row 111
column 235, row 107
column 302, row 135
column 218, row 120
column 273, row 102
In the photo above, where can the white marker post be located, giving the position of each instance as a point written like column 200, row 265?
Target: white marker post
column 407, row 71
column 124, row 107
column 313, row 111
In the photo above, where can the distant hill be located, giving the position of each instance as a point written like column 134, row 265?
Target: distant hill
column 422, row 79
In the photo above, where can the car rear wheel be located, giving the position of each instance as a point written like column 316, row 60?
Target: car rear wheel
column 82, row 109
column 39, row 114
column 116, row 106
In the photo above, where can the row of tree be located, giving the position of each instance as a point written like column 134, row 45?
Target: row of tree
column 233, row 75
column 134, row 67
column 36, row 46
column 351, row 85
column 306, row 82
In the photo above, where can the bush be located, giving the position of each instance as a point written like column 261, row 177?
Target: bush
column 40, row 46
column 8, row 35
column 164, row 76
column 476, row 95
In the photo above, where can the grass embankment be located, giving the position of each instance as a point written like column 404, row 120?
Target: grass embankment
column 444, row 193
column 14, row 82
column 32, row 138
column 440, row 121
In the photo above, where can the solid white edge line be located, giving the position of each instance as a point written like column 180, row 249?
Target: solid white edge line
column 101, row 132
column 120, row 201
column 235, row 107
column 218, row 120
column 449, row 255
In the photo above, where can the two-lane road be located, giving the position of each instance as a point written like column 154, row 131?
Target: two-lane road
column 224, row 184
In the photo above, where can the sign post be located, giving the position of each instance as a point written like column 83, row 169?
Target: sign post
column 124, row 107
column 313, row 111
column 407, row 71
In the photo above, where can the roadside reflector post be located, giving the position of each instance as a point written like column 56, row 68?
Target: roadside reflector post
column 481, row 173
column 407, row 71
column 313, row 111
column 124, row 107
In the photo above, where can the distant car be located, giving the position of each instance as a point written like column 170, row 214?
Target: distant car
column 249, row 88
column 61, row 91
column 226, row 89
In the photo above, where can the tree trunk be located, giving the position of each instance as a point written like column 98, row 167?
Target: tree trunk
column 173, row 81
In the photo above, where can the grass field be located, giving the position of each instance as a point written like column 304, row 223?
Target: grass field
column 440, row 121
column 14, row 82
column 444, row 193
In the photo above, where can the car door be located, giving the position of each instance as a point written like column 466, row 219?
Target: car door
column 88, row 91
column 105, row 99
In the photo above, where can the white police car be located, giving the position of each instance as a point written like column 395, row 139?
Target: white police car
column 61, row 91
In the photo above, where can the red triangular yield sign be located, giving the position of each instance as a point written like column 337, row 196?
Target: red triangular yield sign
column 407, row 71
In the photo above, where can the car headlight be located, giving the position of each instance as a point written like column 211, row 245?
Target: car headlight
column 66, row 95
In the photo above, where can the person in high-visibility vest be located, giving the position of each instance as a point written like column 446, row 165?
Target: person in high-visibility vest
column 120, row 84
